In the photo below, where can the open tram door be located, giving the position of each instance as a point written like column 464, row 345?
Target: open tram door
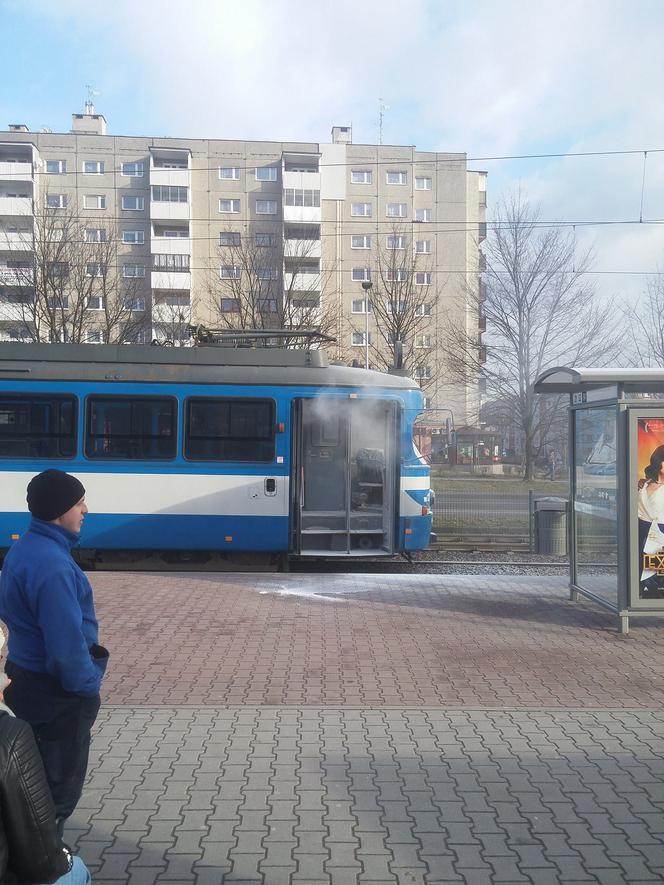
column 344, row 483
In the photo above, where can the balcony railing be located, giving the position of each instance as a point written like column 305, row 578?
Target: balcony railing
column 15, row 205
column 16, row 171
column 16, row 241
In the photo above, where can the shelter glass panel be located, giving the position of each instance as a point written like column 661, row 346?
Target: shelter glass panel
column 595, row 487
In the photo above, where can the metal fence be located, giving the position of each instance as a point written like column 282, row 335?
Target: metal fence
column 475, row 515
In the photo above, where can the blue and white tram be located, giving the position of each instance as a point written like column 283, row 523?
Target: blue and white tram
column 216, row 449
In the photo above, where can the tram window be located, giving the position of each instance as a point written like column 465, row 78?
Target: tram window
column 37, row 426
column 229, row 430
column 132, row 428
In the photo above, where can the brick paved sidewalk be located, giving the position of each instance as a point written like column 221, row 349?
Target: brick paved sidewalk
column 273, row 796
column 369, row 640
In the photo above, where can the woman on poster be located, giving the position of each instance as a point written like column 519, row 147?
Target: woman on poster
column 651, row 521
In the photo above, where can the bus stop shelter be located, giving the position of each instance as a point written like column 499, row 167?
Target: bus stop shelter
column 616, row 512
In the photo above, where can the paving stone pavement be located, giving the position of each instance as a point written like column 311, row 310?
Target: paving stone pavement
column 420, row 796
column 372, row 729
column 370, row 640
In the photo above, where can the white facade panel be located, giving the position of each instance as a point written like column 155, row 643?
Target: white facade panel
column 170, row 245
column 302, row 248
column 302, row 282
column 15, row 241
column 165, row 314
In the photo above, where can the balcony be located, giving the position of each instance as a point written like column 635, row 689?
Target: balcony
column 171, row 280
column 15, row 205
column 169, row 314
column 304, row 180
column 176, row 177
column 302, row 282
column 10, row 276
column 16, row 171
column 302, row 213
column 170, row 245
column 15, row 241
column 165, row 211
column 302, row 249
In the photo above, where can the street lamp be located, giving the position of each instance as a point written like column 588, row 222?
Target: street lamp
column 366, row 285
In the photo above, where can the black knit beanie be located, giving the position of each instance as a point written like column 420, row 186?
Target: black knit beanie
column 52, row 493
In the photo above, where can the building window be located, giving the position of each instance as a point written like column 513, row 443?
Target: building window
column 94, row 269
column 267, row 305
column 230, row 272
column 361, row 274
column 397, row 177
column 266, row 173
column 423, row 372
column 230, row 305
column 133, row 237
column 422, row 341
column 423, row 247
column 359, row 339
column 266, row 207
column 396, row 210
column 57, row 302
column 95, row 302
column 423, row 310
column 37, row 426
column 428, row 402
column 229, row 429
column 136, row 204
column 396, row 242
column 361, row 305
column 397, row 275
column 265, row 240
column 58, row 268
column 361, row 209
column 308, row 302
column 132, row 170
column 133, row 302
column 95, row 235
column 177, row 263
column 56, row 167
column 423, row 278
column 93, row 167
column 360, row 241
column 167, row 193
column 301, row 197
column 229, row 206
column 133, row 270
column 56, row 201
column 131, row 428
column 94, row 201
column 267, row 273
column 423, row 215
column 422, row 183
column 94, row 336
column 229, row 173
column 229, row 238
column 361, row 176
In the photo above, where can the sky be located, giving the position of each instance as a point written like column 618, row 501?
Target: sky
column 492, row 79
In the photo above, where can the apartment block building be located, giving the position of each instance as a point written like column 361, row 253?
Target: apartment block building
column 325, row 226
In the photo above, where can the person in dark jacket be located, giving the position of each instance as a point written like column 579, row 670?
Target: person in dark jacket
column 54, row 660
column 31, row 850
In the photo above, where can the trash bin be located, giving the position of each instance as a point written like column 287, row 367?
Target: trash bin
column 551, row 526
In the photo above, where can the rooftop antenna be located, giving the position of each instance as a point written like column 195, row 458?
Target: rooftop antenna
column 382, row 107
column 89, row 104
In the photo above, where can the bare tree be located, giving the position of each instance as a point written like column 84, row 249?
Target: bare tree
column 71, row 284
column 252, row 285
column 540, row 311
column 404, row 300
column 646, row 325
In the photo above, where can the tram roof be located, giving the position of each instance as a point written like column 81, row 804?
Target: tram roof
column 197, row 365
column 568, row 379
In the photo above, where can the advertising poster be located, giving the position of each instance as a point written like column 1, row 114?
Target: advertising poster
column 650, row 485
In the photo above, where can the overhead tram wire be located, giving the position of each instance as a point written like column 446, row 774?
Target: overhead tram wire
column 358, row 161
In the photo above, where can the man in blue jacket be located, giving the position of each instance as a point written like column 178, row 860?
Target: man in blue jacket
column 54, row 660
